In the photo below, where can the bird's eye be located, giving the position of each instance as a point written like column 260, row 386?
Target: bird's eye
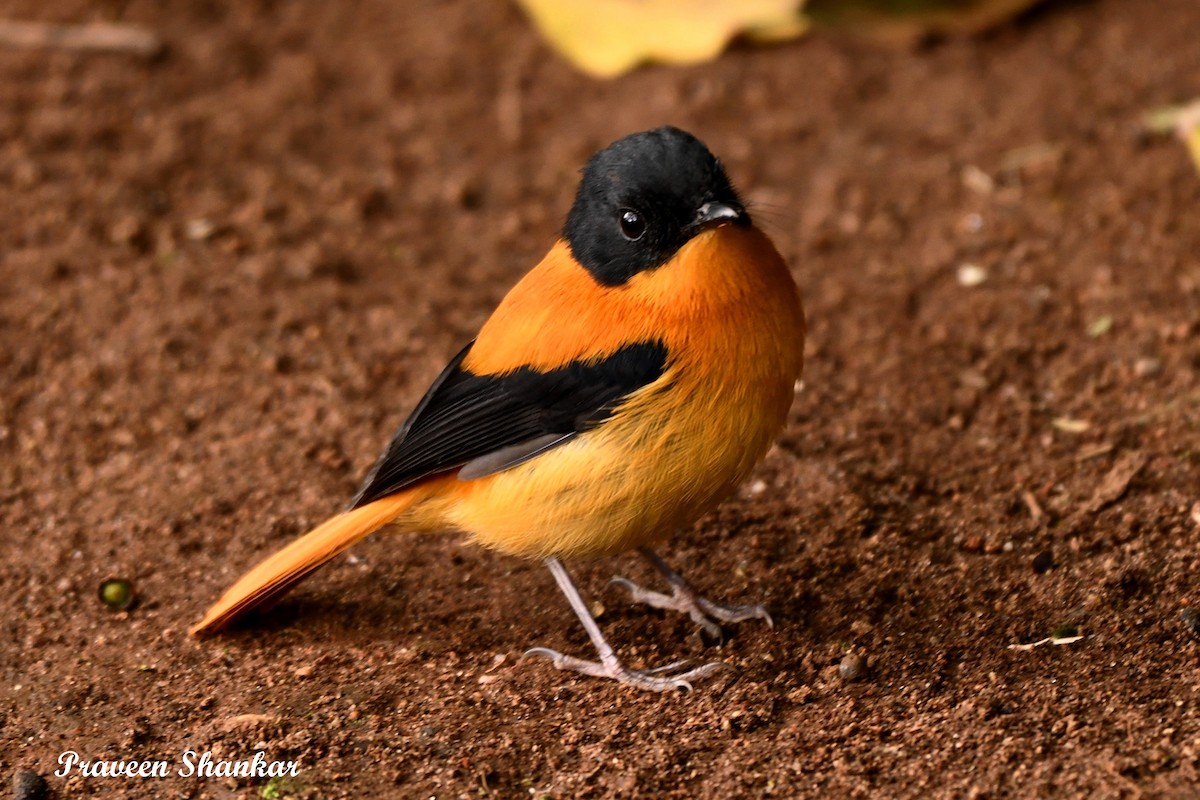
column 633, row 224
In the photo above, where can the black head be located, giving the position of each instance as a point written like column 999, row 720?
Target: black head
column 642, row 198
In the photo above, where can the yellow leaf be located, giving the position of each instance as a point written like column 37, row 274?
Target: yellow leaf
column 608, row 37
column 1183, row 120
column 1191, row 137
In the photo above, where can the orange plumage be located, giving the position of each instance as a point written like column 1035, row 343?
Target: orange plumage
column 622, row 388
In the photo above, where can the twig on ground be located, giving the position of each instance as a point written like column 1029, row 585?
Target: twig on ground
column 1035, row 508
column 1055, row 640
column 100, row 37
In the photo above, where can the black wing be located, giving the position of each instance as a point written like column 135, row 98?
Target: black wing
column 492, row 422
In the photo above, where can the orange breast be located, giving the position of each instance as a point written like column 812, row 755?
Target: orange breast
column 729, row 313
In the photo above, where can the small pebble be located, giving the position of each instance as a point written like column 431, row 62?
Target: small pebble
column 28, row 785
column 1191, row 618
column 117, row 594
column 977, row 180
column 1101, row 326
column 971, row 275
column 199, row 229
column 853, row 667
column 1043, row 562
column 1147, row 367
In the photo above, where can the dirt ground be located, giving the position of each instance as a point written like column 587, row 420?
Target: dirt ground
column 227, row 274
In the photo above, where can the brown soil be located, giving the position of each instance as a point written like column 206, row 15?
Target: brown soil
column 228, row 273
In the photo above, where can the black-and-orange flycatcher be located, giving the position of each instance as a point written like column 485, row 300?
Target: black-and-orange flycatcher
column 622, row 389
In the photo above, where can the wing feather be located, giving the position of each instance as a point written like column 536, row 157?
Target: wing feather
column 494, row 422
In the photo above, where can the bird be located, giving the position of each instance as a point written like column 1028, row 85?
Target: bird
column 622, row 389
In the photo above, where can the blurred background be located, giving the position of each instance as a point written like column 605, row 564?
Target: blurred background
column 237, row 241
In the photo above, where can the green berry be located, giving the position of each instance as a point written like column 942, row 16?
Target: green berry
column 117, row 594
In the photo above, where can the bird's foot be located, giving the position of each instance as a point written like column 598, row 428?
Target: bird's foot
column 704, row 612
column 661, row 679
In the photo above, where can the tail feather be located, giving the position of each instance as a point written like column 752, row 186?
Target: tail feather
column 279, row 572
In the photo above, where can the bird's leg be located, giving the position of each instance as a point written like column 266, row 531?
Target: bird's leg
column 671, row 676
column 685, row 598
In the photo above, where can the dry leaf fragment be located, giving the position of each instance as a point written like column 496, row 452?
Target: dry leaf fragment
column 1101, row 326
column 1116, row 482
column 1071, row 425
column 1183, row 120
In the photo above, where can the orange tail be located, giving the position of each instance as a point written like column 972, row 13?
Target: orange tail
column 279, row 572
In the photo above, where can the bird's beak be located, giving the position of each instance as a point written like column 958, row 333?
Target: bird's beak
column 714, row 213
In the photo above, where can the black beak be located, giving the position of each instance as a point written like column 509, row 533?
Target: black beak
column 714, row 213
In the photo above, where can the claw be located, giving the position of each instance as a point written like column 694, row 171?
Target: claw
column 657, row 679
column 673, row 602
column 683, row 598
column 553, row 655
